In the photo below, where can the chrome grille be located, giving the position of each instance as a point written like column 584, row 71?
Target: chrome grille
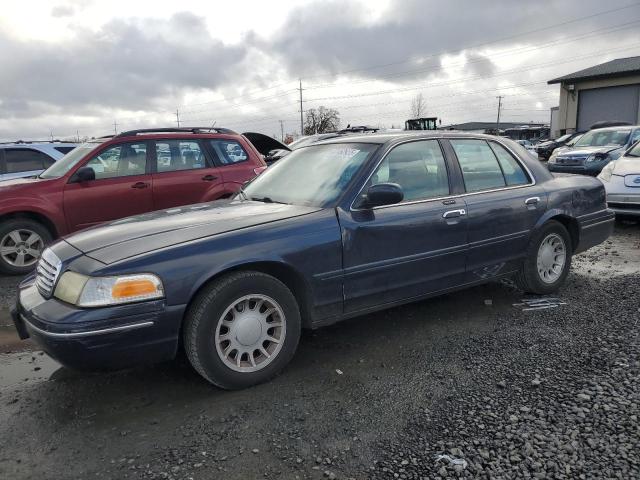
column 47, row 272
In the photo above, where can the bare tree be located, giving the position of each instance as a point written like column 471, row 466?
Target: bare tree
column 418, row 106
column 321, row 120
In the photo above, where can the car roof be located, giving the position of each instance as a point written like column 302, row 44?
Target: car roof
column 619, row 127
column 386, row 137
column 38, row 144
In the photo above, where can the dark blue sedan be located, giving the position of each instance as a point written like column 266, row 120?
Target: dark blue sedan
column 334, row 230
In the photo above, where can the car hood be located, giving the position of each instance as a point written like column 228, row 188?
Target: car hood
column 20, row 183
column 585, row 151
column 143, row 233
column 626, row 166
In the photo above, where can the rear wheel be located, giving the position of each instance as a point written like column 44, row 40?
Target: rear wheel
column 242, row 329
column 547, row 261
column 21, row 244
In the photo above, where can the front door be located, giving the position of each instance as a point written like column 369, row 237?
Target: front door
column 399, row 252
column 183, row 175
column 503, row 206
column 122, row 187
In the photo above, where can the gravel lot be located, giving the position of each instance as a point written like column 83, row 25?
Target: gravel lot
column 466, row 385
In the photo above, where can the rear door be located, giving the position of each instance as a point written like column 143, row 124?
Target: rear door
column 236, row 163
column 122, row 187
column 183, row 174
column 503, row 205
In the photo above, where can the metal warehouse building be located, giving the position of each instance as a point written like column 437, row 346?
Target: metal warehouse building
column 606, row 92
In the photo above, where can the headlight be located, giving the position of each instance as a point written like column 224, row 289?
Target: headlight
column 85, row 291
column 597, row 157
column 607, row 171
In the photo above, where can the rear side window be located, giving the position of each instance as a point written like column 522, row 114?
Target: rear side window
column 480, row 167
column 512, row 170
column 229, row 151
column 120, row 161
column 418, row 167
column 64, row 150
column 25, row 160
column 175, row 155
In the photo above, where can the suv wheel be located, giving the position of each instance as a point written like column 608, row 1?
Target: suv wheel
column 242, row 329
column 21, row 243
column 548, row 260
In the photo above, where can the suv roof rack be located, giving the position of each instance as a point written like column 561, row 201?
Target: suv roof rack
column 129, row 133
column 358, row 129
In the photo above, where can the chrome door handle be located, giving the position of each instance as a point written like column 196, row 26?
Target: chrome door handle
column 454, row 213
column 532, row 200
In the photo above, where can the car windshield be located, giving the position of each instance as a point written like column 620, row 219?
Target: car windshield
column 635, row 151
column 316, row 175
column 573, row 141
column 66, row 163
column 601, row 138
column 563, row 138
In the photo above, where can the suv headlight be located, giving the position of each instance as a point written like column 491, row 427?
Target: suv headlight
column 85, row 291
column 597, row 157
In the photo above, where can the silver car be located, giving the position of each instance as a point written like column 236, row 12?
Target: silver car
column 19, row 160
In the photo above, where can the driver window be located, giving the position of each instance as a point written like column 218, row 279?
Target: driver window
column 418, row 167
column 120, row 161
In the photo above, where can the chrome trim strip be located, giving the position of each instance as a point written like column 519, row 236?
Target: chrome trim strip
column 133, row 326
column 608, row 220
column 460, row 195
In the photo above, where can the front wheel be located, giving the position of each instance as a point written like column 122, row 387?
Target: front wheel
column 21, row 243
column 242, row 329
column 547, row 261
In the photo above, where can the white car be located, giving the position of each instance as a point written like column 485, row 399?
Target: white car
column 24, row 159
column 621, row 180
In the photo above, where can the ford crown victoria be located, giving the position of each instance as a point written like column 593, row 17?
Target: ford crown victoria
column 333, row 230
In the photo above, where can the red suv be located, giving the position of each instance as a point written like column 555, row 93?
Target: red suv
column 113, row 177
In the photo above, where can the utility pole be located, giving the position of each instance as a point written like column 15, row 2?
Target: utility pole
column 178, row 117
column 499, row 97
column 281, row 130
column 78, row 136
column 301, row 120
column 51, row 132
column 115, row 127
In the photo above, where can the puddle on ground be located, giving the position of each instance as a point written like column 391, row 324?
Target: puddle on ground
column 26, row 368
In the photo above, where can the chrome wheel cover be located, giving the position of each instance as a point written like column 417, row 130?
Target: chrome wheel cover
column 21, row 247
column 250, row 333
column 552, row 256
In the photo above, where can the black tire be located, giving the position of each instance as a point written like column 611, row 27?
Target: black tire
column 22, row 225
column 528, row 278
column 206, row 311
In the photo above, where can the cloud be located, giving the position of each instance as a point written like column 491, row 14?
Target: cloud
column 127, row 64
column 60, row 11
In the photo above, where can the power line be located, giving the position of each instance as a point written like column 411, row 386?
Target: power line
column 491, row 42
column 527, row 49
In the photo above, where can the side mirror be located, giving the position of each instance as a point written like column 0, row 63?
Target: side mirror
column 381, row 194
column 85, row 174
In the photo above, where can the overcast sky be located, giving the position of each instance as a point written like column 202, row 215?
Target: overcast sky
column 80, row 65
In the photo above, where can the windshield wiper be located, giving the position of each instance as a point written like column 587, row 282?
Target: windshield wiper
column 267, row 200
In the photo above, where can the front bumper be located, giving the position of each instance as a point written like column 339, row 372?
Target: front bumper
column 592, row 169
column 625, row 203
column 98, row 338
